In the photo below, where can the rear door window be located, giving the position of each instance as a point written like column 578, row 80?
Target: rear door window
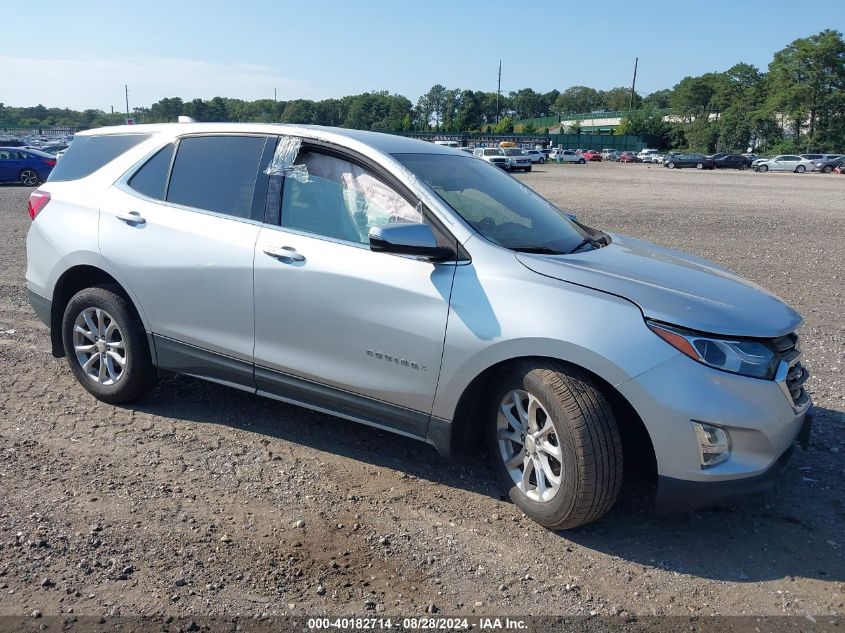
column 217, row 173
column 87, row 154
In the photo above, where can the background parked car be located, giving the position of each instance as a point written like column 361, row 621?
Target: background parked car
column 607, row 154
column 732, row 161
column 699, row 161
column 536, row 156
column 517, row 159
column 648, row 155
column 828, row 163
column 628, row 157
column 26, row 166
column 592, row 155
column 567, row 156
column 786, row 162
column 492, row 155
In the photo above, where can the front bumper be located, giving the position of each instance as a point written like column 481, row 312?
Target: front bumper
column 761, row 419
column 675, row 496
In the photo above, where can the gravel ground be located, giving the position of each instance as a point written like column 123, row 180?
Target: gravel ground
column 204, row 500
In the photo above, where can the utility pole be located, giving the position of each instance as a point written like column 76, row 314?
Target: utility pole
column 112, row 115
column 633, row 84
column 274, row 94
column 126, row 89
column 498, row 91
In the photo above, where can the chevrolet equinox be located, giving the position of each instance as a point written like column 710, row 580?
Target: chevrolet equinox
column 417, row 289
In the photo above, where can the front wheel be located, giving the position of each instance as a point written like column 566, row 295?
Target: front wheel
column 762, row 169
column 699, row 165
column 542, row 160
column 528, row 168
column 106, row 345
column 827, row 169
column 581, row 161
column 670, row 165
column 29, row 177
column 555, row 444
column 800, row 169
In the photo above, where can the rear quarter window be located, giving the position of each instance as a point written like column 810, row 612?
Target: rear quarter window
column 87, row 154
column 151, row 179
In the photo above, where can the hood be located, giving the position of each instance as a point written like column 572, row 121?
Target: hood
column 673, row 287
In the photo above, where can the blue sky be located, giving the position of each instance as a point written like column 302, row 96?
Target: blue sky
column 321, row 48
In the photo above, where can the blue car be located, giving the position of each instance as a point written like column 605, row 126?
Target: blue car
column 26, row 166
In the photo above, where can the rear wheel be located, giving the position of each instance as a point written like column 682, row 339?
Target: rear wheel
column 106, row 346
column 581, row 161
column 28, row 177
column 800, row 169
column 542, row 160
column 827, row 169
column 699, row 165
column 743, row 167
column 555, row 444
column 528, row 168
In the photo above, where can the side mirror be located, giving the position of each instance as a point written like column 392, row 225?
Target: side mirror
column 408, row 238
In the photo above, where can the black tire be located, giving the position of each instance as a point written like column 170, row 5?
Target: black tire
column 670, row 165
column 742, row 167
column 585, row 430
column 800, row 169
column 763, row 169
column 29, row 177
column 581, row 161
column 827, row 169
column 528, row 168
column 542, row 160
column 139, row 374
column 699, row 165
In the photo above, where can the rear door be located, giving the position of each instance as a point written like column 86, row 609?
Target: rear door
column 181, row 231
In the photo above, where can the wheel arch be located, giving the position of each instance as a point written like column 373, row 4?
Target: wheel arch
column 70, row 282
column 467, row 424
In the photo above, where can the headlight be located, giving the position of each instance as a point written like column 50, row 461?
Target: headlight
column 744, row 357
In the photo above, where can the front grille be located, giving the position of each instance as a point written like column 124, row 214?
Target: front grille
column 789, row 350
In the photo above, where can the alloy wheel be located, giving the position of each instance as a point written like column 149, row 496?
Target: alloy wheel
column 29, row 177
column 99, row 345
column 529, row 446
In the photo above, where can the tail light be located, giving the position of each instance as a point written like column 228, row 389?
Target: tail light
column 37, row 200
column 50, row 161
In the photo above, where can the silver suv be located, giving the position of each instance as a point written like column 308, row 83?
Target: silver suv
column 416, row 289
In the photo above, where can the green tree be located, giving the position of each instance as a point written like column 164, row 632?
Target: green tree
column 806, row 81
column 619, row 99
column 504, row 126
column 658, row 99
column 579, row 99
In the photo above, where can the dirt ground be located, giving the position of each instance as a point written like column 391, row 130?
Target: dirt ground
column 202, row 500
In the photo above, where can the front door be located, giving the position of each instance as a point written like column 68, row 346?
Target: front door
column 338, row 326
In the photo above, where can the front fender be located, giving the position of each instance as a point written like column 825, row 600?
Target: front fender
column 516, row 313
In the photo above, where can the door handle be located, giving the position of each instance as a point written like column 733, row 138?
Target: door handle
column 288, row 253
column 133, row 217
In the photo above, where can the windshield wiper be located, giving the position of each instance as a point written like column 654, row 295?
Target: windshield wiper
column 540, row 250
column 595, row 242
